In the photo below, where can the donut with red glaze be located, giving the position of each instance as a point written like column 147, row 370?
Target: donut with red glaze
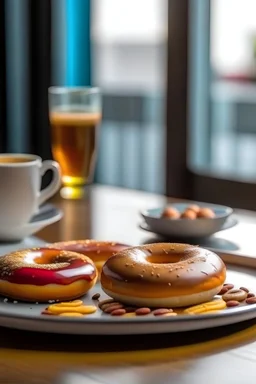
column 43, row 274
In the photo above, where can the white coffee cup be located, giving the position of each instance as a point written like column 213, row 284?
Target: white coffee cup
column 20, row 183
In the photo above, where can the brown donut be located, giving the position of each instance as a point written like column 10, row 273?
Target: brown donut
column 97, row 251
column 163, row 274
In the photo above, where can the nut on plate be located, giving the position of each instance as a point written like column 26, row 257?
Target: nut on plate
column 235, row 294
column 251, row 300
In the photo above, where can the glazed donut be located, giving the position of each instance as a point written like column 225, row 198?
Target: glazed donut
column 43, row 274
column 98, row 251
column 163, row 274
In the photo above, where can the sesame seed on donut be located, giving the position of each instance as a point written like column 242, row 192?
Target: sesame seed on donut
column 43, row 274
column 98, row 251
column 175, row 275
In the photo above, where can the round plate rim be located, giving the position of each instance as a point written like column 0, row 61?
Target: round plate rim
column 145, row 227
column 79, row 326
column 120, row 326
column 140, row 320
column 146, row 324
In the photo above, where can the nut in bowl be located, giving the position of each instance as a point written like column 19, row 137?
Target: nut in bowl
column 193, row 220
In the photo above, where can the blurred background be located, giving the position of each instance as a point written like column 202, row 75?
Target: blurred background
column 178, row 84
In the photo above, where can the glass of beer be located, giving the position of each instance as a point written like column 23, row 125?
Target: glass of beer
column 75, row 115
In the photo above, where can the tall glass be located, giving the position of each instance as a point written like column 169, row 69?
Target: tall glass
column 75, row 115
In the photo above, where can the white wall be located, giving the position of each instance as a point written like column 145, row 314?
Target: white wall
column 129, row 44
column 129, row 38
column 233, row 24
column 129, row 20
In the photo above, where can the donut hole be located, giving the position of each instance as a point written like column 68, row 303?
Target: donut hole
column 41, row 260
column 164, row 258
column 46, row 257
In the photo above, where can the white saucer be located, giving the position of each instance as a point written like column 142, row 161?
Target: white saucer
column 48, row 214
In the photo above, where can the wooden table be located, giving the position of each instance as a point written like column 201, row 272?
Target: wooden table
column 106, row 213
column 113, row 214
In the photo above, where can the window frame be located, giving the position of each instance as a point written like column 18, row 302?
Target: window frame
column 182, row 181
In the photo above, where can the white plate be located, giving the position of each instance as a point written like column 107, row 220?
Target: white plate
column 48, row 214
column 184, row 227
column 28, row 316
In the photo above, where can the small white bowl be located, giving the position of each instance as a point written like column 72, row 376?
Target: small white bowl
column 202, row 227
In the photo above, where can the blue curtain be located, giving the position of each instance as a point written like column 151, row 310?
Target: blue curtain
column 71, row 47
column 78, row 50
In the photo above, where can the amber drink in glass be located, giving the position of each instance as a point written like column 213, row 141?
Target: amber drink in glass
column 75, row 116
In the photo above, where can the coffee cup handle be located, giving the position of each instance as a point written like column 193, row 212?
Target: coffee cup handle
column 53, row 187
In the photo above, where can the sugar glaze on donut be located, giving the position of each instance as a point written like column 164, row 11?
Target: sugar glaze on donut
column 163, row 274
column 43, row 274
column 98, row 251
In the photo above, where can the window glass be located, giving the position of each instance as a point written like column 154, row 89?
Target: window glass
column 223, row 88
column 129, row 64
